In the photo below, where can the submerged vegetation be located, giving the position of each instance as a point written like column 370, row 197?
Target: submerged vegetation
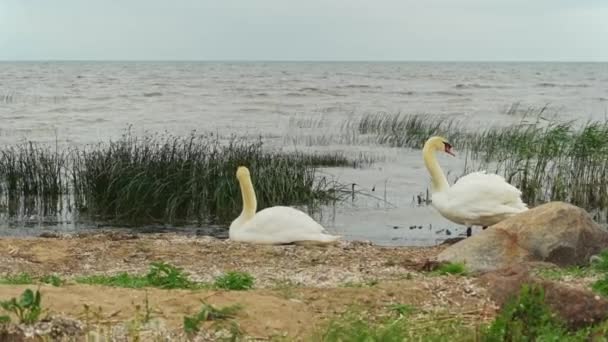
column 160, row 179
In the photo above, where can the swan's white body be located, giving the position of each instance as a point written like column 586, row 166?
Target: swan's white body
column 478, row 198
column 275, row 225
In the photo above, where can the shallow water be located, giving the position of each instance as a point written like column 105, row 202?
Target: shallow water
column 294, row 106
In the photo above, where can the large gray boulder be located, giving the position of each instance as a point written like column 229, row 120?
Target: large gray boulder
column 555, row 232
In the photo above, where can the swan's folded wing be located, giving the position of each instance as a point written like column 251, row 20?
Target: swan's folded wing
column 482, row 194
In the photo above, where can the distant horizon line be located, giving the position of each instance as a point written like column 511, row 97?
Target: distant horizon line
column 304, row 60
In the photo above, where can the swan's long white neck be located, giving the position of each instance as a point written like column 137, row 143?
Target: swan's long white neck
column 438, row 181
column 250, row 203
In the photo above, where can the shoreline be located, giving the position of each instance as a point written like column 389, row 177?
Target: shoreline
column 297, row 290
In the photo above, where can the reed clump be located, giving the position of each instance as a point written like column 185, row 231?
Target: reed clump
column 168, row 179
column 160, row 178
column 32, row 176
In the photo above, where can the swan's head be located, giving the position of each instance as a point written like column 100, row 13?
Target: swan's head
column 438, row 143
column 242, row 173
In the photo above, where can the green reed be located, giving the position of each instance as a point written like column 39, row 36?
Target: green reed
column 165, row 179
column 32, row 174
column 168, row 179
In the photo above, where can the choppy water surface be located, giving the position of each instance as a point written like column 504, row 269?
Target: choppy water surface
column 293, row 106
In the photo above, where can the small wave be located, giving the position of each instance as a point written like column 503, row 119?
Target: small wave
column 602, row 99
column 153, row 94
column 403, row 92
column 553, row 85
column 473, row 86
column 359, row 86
column 59, row 110
column 295, row 94
column 256, row 95
column 319, row 91
column 447, row 93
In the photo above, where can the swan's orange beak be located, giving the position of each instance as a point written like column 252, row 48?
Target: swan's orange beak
column 448, row 150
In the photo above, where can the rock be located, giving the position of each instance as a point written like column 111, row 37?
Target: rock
column 555, row 232
column 577, row 308
column 490, row 250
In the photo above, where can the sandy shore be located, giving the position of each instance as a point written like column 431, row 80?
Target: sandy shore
column 297, row 288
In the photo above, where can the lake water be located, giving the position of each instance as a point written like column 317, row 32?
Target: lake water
column 296, row 106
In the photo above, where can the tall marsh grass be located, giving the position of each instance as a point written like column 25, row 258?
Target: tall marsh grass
column 32, row 177
column 163, row 178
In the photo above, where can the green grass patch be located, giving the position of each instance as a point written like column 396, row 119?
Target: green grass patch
column 454, row 268
column 601, row 286
column 600, row 263
column 17, row 279
column 24, row 278
column 161, row 275
column 166, row 276
column 559, row 273
column 359, row 326
column 528, row 318
column 235, row 281
column 123, row 279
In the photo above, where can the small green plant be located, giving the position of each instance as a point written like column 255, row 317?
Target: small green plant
column 166, row 276
column 27, row 308
column 209, row 312
column 451, row 268
column 52, row 280
column 4, row 319
column 17, row 279
column 235, row 281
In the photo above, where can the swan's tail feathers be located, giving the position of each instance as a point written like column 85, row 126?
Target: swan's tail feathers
column 329, row 238
column 322, row 239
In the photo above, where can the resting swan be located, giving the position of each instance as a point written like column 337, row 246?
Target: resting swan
column 275, row 225
column 478, row 198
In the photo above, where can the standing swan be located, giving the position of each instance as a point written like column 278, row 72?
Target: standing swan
column 276, row 225
column 476, row 199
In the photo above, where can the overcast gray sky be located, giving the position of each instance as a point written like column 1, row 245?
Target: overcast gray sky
column 304, row 29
